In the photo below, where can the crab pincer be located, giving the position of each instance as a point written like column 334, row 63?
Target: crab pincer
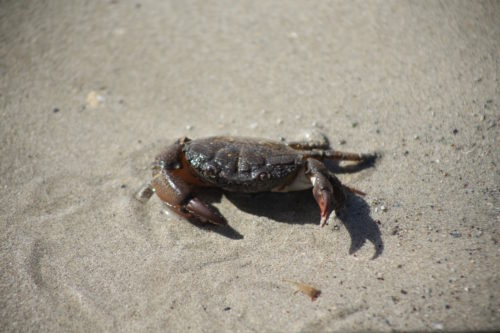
column 173, row 183
column 322, row 188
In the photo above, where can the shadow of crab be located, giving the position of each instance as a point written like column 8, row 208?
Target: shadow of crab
column 291, row 207
column 300, row 208
column 361, row 227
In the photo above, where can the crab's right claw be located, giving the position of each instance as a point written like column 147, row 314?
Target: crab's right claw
column 177, row 195
column 169, row 183
column 203, row 212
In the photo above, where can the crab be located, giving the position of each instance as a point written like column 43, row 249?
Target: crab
column 249, row 165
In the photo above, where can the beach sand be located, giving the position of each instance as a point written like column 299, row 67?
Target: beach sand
column 91, row 91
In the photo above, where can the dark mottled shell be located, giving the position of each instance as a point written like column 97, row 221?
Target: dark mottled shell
column 242, row 164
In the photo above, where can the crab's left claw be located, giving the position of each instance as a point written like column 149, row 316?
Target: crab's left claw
column 323, row 198
column 326, row 187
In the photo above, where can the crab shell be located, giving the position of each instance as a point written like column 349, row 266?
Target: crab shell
column 246, row 165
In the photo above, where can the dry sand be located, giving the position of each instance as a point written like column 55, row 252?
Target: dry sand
column 91, row 91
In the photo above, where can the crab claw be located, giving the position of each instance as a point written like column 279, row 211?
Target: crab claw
column 171, row 184
column 323, row 198
column 323, row 191
column 203, row 212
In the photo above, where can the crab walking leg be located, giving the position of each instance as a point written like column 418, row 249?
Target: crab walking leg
column 145, row 192
column 323, row 189
column 342, row 156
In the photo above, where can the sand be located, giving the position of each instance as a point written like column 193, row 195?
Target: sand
column 91, row 91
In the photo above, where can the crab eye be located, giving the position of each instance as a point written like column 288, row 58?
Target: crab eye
column 264, row 176
column 211, row 171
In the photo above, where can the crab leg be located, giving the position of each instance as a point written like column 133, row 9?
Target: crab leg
column 170, row 186
column 325, row 188
column 341, row 156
